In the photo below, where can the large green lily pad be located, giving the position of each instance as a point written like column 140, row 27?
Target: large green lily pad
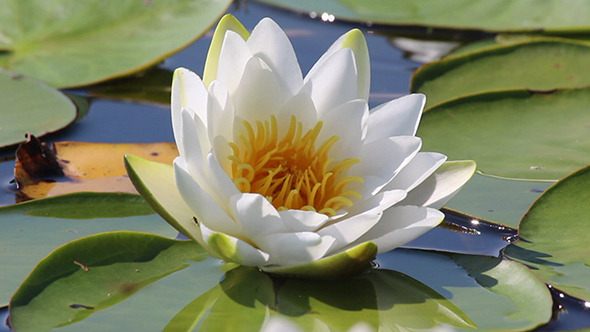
column 29, row 231
column 70, row 43
column 30, row 106
column 514, row 134
column 534, row 64
column 498, row 15
column 555, row 234
column 94, row 273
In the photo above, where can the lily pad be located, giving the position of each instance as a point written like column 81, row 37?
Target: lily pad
column 72, row 43
column 500, row 15
column 30, row 106
column 93, row 273
column 513, row 134
column 555, row 234
column 534, row 64
column 495, row 293
column 31, row 230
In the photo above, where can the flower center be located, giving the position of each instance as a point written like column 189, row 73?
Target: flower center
column 289, row 171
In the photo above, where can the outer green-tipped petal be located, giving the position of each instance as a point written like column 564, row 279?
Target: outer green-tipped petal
column 347, row 263
column 155, row 182
column 441, row 186
column 232, row 249
column 228, row 22
column 355, row 40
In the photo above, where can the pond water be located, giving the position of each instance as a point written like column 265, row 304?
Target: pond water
column 124, row 120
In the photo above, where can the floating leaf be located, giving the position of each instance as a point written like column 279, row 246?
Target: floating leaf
column 93, row 273
column 513, row 134
column 538, row 65
column 71, row 43
column 555, row 234
column 29, row 106
column 79, row 166
column 29, row 231
column 497, row 15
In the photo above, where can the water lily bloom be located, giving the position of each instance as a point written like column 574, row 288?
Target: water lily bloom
column 294, row 174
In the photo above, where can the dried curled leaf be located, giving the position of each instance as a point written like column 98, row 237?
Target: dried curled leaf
column 67, row 167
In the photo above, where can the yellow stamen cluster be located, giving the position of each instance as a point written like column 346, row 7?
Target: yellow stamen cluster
column 289, row 171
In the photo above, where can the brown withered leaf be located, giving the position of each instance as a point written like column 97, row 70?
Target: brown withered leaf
column 68, row 167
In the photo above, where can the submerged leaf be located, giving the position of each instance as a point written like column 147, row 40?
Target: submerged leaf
column 77, row 166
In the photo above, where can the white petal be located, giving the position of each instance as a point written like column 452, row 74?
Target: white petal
column 303, row 221
column 207, row 211
column 220, row 111
column 269, row 42
column 260, row 92
column 349, row 229
column 344, row 121
column 333, row 81
column 302, row 107
column 255, row 215
column 233, row 58
column 194, row 147
column 381, row 160
column 187, row 93
column 355, row 40
column 233, row 249
column 416, row 171
column 400, row 225
column 287, row 249
column 441, row 186
column 399, row 117
column 224, row 186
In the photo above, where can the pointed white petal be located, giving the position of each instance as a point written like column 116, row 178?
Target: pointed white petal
column 269, row 42
column 381, row 160
column 354, row 40
column 205, row 208
column 400, row 225
column 334, row 81
column 441, row 186
column 351, row 228
column 345, row 122
column 303, row 221
column 255, row 215
column 417, row 170
column 227, row 23
column 301, row 106
column 260, row 92
column 224, row 186
column 195, row 145
column 232, row 249
column 233, row 58
column 294, row 248
column 399, row 117
column 220, row 111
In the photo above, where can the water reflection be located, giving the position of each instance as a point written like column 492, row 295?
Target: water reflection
column 382, row 299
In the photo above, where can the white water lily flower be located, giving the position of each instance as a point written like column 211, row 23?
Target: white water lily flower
column 293, row 174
